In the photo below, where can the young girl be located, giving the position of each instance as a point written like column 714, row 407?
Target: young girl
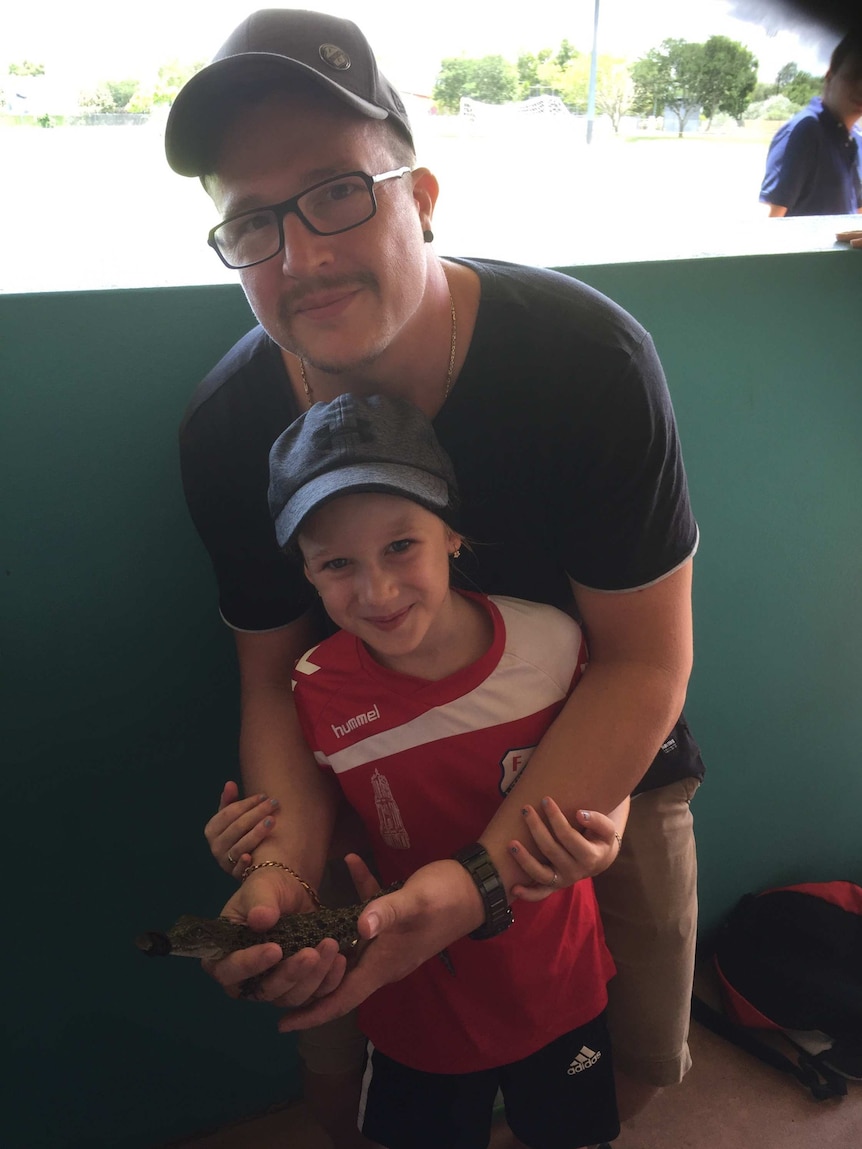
column 426, row 705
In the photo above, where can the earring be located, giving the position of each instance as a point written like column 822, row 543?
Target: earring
column 428, row 235
column 455, row 554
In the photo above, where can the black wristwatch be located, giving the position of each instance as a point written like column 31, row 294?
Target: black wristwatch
column 498, row 914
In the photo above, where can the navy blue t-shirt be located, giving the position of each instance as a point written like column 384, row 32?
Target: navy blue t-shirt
column 814, row 165
column 560, row 429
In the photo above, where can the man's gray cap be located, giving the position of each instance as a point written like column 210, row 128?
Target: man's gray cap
column 354, row 445
column 329, row 52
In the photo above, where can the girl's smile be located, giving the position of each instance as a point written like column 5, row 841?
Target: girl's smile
column 380, row 563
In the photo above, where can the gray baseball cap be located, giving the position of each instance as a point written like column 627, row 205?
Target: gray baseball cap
column 353, row 445
column 273, row 43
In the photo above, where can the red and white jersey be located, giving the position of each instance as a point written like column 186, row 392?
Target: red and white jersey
column 426, row 764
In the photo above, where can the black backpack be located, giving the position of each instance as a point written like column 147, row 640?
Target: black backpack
column 789, row 960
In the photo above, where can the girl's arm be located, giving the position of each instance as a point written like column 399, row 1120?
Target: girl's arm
column 238, row 828
column 564, row 853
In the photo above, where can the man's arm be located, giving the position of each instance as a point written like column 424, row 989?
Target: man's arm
column 790, row 162
column 274, row 756
column 613, row 724
column 276, row 760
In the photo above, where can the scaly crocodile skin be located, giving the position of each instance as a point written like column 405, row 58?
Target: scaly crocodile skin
column 215, row 938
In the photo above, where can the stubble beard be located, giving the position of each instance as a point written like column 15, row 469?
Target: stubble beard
column 287, row 337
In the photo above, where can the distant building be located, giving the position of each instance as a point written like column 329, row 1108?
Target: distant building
column 671, row 121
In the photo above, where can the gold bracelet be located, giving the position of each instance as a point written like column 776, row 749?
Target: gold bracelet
column 619, row 839
column 281, row 866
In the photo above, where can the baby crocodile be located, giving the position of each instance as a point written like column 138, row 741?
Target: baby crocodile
column 215, row 938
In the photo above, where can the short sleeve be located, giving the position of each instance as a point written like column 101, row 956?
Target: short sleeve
column 791, row 162
column 235, row 416
column 622, row 500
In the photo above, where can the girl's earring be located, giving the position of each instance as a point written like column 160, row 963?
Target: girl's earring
column 456, row 554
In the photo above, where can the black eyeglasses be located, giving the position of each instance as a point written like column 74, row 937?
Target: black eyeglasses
column 327, row 208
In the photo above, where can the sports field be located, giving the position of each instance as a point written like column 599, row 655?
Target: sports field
column 97, row 207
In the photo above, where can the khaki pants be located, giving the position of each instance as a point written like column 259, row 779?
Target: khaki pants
column 648, row 900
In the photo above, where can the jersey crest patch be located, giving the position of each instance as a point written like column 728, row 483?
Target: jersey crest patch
column 511, row 765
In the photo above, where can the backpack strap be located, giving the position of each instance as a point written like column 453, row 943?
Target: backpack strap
column 812, row 1073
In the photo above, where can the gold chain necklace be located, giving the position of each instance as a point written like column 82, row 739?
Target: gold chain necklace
column 309, row 393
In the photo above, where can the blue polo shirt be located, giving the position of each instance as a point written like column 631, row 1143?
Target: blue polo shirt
column 814, row 165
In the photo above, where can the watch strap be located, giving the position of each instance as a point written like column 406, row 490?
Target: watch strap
column 498, row 914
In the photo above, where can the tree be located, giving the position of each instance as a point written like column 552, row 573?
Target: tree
column 141, row 103
column 569, row 81
column 95, row 99
column 799, row 87
column 726, row 79
column 649, row 85
column 172, row 77
column 121, row 91
column 110, row 96
column 26, row 68
column 614, row 89
column 489, row 79
column 762, row 91
column 566, row 52
column 668, row 77
column 528, row 72
column 802, row 88
column 786, row 75
column 772, row 108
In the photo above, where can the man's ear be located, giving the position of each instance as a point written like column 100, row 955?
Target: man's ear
column 425, row 192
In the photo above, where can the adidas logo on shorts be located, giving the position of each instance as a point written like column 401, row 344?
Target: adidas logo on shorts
column 585, row 1060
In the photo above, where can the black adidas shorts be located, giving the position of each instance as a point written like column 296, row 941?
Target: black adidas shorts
column 561, row 1097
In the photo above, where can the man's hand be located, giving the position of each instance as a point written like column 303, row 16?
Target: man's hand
column 436, row 906
column 854, row 238
column 260, row 901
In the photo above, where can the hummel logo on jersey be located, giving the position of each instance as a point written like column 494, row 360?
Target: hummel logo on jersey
column 356, row 721
column 585, row 1059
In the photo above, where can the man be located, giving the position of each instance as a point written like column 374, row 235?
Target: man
column 814, row 164
column 552, row 404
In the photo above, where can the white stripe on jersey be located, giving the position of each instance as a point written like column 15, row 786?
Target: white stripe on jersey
column 533, row 670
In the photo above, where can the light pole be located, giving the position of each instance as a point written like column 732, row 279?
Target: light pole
column 591, row 95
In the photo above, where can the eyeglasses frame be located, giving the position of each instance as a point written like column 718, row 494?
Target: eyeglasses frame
column 291, row 206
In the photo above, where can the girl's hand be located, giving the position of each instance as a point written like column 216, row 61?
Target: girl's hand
column 561, row 854
column 238, row 828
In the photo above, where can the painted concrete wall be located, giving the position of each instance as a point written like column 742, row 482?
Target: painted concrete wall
column 119, row 696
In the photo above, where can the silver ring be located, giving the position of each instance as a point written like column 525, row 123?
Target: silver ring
column 555, row 879
column 231, row 858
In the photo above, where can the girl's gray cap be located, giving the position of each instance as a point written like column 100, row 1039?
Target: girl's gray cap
column 273, row 43
column 353, row 445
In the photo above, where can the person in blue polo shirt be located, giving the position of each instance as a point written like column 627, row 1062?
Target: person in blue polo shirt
column 814, row 165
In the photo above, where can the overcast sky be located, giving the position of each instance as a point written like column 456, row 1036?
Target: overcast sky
column 82, row 42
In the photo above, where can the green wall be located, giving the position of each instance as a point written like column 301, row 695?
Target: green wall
column 119, row 696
